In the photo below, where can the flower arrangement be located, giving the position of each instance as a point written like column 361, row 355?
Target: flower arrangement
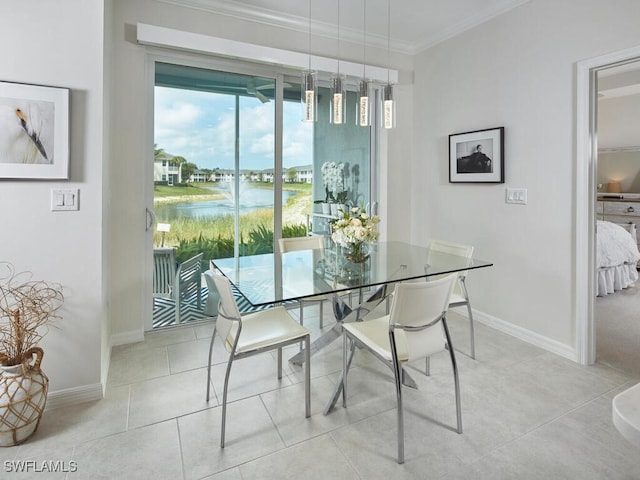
column 353, row 230
column 26, row 307
column 333, row 180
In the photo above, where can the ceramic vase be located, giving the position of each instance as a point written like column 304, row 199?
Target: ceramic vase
column 23, row 395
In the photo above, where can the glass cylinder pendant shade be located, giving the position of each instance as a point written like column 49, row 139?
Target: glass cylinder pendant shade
column 338, row 100
column 363, row 112
column 309, row 96
column 388, row 107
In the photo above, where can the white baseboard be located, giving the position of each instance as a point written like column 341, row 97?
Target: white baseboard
column 523, row 334
column 74, row 396
column 87, row 393
column 124, row 338
column 526, row 335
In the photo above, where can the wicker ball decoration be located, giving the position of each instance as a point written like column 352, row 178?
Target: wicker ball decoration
column 23, row 395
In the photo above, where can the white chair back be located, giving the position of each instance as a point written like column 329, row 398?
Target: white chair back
column 211, row 307
column 313, row 242
column 416, row 309
column 228, row 313
column 452, row 249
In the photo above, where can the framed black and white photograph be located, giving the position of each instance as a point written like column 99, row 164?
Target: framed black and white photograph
column 477, row 157
column 34, row 131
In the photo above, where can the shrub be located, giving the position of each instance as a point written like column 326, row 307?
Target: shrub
column 260, row 241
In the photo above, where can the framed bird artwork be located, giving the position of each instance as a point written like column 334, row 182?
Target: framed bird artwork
column 34, row 131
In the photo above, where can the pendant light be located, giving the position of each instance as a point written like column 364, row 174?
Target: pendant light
column 388, row 104
column 309, row 86
column 337, row 114
column 363, row 114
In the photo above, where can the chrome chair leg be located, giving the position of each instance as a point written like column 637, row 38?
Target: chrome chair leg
column 345, row 366
column 279, row 363
column 472, row 334
column 397, row 373
column 471, row 330
column 455, row 375
column 224, row 402
column 301, row 318
column 213, row 336
column 307, row 373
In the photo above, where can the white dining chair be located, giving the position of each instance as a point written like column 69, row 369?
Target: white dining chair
column 311, row 242
column 460, row 295
column 252, row 334
column 415, row 328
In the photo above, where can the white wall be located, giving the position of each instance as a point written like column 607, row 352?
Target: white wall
column 623, row 167
column 516, row 71
column 60, row 44
column 619, row 129
column 619, row 122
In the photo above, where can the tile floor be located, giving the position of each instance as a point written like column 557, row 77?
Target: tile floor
column 618, row 329
column 527, row 414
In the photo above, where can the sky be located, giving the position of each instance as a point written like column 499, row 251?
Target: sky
column 200, row 126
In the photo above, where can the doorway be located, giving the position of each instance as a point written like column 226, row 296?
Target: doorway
column 618, row 164
column 586, row 175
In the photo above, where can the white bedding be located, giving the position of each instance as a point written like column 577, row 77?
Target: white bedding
column 616, row 256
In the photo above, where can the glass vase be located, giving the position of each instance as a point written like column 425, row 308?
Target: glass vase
column 356, row 252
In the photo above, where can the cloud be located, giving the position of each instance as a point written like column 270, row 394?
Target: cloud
column 177, row 115
column 200, row 126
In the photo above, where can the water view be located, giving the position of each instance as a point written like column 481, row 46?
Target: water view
column 250, row 199
column 206, row 211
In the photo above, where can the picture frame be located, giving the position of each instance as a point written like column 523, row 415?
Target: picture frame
column 34, row 131
column 477, row 156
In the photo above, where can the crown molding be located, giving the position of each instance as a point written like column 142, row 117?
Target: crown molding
column 460, row 27
column 233, row 9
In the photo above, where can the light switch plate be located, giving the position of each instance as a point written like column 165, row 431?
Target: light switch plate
column 516, row 195
column 65, row 199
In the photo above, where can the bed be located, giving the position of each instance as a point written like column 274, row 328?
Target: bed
column 616, row 256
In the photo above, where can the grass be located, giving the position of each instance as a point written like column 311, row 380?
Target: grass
column 222, row 227
column 164, row 191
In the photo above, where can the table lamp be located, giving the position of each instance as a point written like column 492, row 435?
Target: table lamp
column 614, row 187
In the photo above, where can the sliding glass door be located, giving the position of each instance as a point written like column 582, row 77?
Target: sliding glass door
column 235, row 168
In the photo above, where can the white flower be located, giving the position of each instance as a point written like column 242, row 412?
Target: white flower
column 355, row 227
column 333, row 176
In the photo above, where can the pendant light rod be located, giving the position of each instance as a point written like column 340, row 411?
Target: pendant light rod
column 388, row 38
column 339, row 49
column 309, row 33
column 388, row 101
column 309, row 86
column 363, row 113
column 338, row 113
column 364, row 38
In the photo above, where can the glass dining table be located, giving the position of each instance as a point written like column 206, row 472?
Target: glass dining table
column 275, row 278
column 279, row 278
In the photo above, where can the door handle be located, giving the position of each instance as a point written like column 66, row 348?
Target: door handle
column 150, row 219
